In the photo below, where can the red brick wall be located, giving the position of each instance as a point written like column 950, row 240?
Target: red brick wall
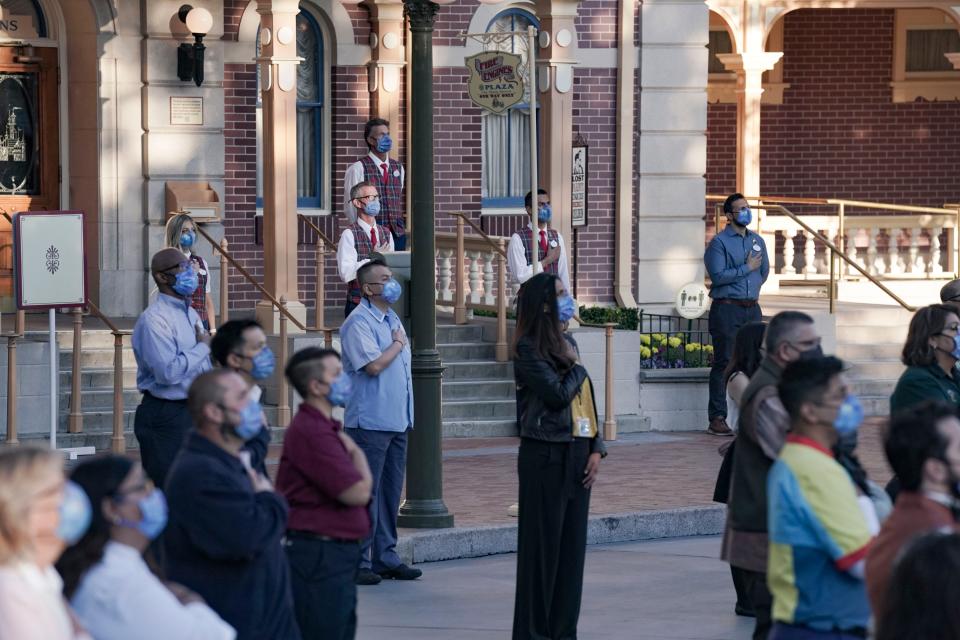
column 232, row 12
column 838, row 134
column 457, row 159
column 451, row 21
column 596, row 24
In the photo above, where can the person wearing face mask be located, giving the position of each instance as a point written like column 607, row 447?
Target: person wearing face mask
column 764, row 423
column 358, row 241
column 930, row 353
column 558, row 462
column 737, row 263
column 819, row 528
column 241, row 345
column 551, row 251
column 326, row 480
column 379, row 413
column 182, row 235
column 110, row 586
column 385, row 174
column 922, row 446
column 39, row 516
column 171, row 350
column 226, row 523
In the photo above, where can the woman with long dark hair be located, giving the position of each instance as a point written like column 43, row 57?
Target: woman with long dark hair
column 930, row 354
column 560, row 452
column 111, row 588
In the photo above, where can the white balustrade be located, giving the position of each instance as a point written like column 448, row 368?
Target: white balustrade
column 809, row 252
column 489, row 277
column 445, row 274
column 915, row 264
column 474, row 277
column 934, row 265
column 788, row 248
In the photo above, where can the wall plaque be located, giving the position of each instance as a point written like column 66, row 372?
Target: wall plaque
column 186, row 110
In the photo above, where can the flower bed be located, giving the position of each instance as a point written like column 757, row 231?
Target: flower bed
column 673, row 351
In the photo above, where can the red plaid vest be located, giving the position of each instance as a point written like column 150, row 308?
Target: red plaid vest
column 199, row 301
column 361, row 240
column 552, row 236
column 391, row 193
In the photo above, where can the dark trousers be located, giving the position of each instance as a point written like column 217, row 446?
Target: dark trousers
column 760, row 600
column 386, row 453
column 740, row 585
column 323, row 575
column 160, row 427
column 783, row 631
column 552, row 539
column 399, row 242
column 725, row 321
column 348, row 307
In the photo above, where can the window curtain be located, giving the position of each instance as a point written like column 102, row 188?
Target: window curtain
column 925, row 49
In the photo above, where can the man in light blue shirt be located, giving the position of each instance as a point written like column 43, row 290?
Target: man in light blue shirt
column 736, row 260
column 379, row 413
column 171, row 348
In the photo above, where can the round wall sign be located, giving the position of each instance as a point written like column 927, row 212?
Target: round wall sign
column 692, row 300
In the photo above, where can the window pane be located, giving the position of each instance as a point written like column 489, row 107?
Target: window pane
column 925, row 49
column 719, row 43
column 307, row 151
column 19, row 160
column 307, row 88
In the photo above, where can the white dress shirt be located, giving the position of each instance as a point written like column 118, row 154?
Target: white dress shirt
column 347, row 263
column 119, row 598
column 517, row 260
column 32, row 605
column 354, row 175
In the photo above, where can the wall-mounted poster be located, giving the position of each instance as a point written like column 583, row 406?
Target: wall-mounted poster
column 49, row 259
column 578, row 190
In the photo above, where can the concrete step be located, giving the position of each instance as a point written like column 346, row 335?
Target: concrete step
column 466, row 370
column 479, row 390
column 872, row 315
column 101, row 440
column 479, row 428
column 482, row 410
column 90, row 339
column 454, row 333
column 875, row 405
column 862, row 334
column 875, row 369
column 99, row 399
column 467, row 351
column 872, row 387
column 94, row 421
column 98, row 359
column 875, row 351
column 98, row 378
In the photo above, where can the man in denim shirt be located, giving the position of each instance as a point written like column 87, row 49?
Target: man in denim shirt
column 379, row 413
column 736, row 260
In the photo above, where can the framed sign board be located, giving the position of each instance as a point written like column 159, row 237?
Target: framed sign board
column 578, row 190
column 49, row 260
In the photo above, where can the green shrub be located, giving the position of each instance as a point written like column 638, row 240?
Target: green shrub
column 627, row 319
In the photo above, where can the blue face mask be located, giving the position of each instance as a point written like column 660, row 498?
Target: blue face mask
column 153, row 515
column 187, row 283
column 744, row 217
column 545, row 213
column 565, row 308
column 251, row 421
column 340, row 390
column 263, row 364
column 849, row 417
column 956, row 347
column 392, row 291
column 384, row 143
column 75, row 513
column 372, row 208
column 187, row 239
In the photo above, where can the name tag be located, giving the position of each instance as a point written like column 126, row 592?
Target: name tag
column 756, row 247
column 396, row 173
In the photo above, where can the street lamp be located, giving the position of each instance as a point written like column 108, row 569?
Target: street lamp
column 190, row 57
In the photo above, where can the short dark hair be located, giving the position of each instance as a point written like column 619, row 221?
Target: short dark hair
column 528, row 199
column 782, row 326
column 307, row 365
column 365, row 269
column 229, row 339
column 355, row 189
column 206, row 389
column 926, row 323
column 728, row 203
column 913, row 438
column 805, row 381
column 374, row 122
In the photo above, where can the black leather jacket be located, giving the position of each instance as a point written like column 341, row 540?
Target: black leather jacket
column 544, row 395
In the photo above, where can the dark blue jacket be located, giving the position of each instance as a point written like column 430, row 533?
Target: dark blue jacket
column 224, row 542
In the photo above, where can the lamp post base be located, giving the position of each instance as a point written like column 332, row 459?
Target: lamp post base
column 424, row 514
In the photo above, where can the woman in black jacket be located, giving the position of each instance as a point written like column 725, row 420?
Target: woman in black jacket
column 560, row 452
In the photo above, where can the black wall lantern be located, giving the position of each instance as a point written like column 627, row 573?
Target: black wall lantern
column 190, row 56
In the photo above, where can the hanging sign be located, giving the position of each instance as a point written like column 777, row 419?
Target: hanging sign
column 49, row 259
column 495, row 82
column 578, row 188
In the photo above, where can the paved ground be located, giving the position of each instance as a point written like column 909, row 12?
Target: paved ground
column 662, row 590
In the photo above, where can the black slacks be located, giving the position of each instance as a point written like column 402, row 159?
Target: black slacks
column 761, row 600
column 323, row 577
column 160, row 427
column 724, row 322
column 552, row 539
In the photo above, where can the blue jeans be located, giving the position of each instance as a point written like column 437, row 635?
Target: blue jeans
column 386, row 453
column 725, row 321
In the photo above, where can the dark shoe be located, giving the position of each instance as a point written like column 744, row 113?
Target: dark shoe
column 740, row 610
column 718, row 427
column 401, row 572
column 365, row 577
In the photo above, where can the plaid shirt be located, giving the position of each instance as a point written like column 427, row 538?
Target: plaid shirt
column 391, row 193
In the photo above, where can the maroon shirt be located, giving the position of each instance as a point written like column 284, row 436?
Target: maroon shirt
column 314, row 469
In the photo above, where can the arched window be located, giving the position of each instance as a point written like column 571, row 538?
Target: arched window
column 310, row 116
column 24, row 9
column 506, row 136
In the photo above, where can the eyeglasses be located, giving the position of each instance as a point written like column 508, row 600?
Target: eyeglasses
column 372, row 196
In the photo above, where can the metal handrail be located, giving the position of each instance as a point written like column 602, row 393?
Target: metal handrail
column 246, row 274
column 493, row 245
column 836, row 252
column 316, row 230
column 863, row 204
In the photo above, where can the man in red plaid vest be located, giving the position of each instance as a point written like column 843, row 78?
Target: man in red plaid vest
column 551, row 250
column 361, row 239
column 385, row 174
